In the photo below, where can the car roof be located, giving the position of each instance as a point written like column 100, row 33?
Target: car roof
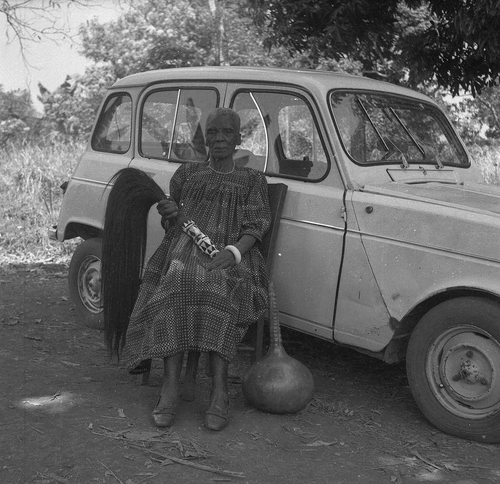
column 309, row 79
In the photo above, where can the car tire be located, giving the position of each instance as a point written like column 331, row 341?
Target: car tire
column 84, row 280
column 453, row 367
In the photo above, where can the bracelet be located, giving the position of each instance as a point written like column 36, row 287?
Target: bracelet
column 234, row 250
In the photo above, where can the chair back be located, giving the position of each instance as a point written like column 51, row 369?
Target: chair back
column 277, row 194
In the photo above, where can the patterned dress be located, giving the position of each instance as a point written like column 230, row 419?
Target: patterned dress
column 181, row 306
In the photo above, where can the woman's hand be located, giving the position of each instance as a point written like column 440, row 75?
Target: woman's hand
column 223, row 260
column 168, row 209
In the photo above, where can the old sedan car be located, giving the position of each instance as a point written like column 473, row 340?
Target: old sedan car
column 388, row 242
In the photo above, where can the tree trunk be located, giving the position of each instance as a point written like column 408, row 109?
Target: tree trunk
column 221, row 54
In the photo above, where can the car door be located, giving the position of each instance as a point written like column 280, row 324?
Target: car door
column 284, row 137
column 171, row 123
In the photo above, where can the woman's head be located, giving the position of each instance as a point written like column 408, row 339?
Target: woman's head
column 225, row 112
column 222, row 133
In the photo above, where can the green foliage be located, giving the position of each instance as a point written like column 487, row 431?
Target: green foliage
column 487, row 158
column 70, row 110
column 30, row 199
column 477, row 119
column 486, row 107
column 455, row 42
column 392, row 40
column 158, row 34
column 154, row 34
column 464, row 45
column 18, row 119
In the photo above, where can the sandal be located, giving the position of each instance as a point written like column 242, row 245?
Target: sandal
column 164, row 416
column 216, row 418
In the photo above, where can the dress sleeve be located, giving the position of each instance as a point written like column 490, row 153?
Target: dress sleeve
column 176, row 183
column 257, row 214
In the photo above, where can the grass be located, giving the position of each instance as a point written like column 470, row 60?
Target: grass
column 30, row 198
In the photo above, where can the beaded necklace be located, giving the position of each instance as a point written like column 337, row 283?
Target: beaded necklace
column 221, row 172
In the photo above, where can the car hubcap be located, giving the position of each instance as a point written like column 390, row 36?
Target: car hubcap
column 464, row 367
column 89, row 284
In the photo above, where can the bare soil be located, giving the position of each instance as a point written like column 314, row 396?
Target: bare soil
column 70, row 415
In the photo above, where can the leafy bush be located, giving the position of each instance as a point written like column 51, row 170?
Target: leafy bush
column 487, row 157
column 30, row 199
column 18, row 119
column 69, row 111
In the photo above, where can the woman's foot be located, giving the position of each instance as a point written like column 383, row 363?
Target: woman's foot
column 164, row 412
column 216, row 417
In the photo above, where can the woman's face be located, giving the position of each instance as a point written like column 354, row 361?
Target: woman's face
column 222, row 136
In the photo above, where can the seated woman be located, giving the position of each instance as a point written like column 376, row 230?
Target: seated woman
column 189, row 301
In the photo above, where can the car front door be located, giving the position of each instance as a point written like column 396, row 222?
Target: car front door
column 284, row 137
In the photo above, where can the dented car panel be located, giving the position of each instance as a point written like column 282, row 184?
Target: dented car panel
column 429, row 238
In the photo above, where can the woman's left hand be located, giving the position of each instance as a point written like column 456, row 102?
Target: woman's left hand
column 223, row 260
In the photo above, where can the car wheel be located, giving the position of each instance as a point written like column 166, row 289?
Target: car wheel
column 84, row 281
column 453, row 367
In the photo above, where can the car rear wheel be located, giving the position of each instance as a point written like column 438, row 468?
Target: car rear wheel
column 453, row 367
column 84, row 281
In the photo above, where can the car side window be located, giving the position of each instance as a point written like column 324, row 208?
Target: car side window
column 279, row 135
column 113, row 129
column 173, row 123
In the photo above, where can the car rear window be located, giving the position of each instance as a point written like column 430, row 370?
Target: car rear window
column 387, row 129
column 113, row 128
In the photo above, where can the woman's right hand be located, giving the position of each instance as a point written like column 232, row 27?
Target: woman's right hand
column 168, row 209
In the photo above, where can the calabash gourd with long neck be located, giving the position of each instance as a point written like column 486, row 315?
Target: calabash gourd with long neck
column 277, row 383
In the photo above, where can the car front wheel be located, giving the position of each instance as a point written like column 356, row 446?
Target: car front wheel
column 84, row 281
column 453, row 367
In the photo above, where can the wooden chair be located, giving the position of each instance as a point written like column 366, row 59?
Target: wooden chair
column 277, row 194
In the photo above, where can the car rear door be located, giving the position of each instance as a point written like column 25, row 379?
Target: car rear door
column 171, row 121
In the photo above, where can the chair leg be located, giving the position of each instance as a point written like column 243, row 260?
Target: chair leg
column 189, row 387
column 143, row 370
column 209, row 369
column 145, row 377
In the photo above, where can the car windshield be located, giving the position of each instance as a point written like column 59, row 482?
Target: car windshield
column 388, row 129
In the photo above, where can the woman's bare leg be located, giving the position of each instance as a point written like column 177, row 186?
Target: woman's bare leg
column 217, row 415
column 164, row 412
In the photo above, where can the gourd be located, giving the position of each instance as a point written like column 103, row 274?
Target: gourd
column 277, row 383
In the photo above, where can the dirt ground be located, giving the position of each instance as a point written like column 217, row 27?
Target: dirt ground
column 69, row 415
